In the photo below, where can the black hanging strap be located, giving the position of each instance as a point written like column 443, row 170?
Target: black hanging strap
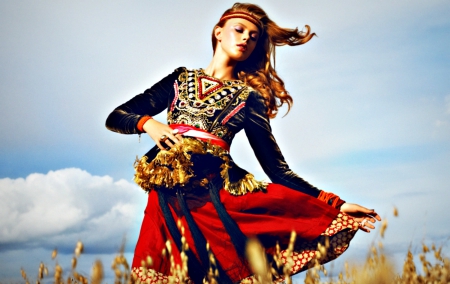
column 193, row 263
column 197, row 270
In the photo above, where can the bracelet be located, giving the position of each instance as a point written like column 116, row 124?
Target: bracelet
column 141, row 122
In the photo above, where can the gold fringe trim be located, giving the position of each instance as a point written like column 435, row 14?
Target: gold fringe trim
column 245, row 185
column 174, row 167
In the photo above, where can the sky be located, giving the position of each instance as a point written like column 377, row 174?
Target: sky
column 370, row 121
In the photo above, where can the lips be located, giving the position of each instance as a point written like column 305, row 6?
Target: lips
column 242, row 46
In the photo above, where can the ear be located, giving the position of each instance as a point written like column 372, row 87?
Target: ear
column 218, row 33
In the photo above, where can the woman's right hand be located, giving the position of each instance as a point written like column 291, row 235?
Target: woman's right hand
column 365, row 217
column 157, row 130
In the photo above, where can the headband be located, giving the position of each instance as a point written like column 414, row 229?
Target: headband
column 243, row 15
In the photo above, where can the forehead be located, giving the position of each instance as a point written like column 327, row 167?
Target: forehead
column 243, row 22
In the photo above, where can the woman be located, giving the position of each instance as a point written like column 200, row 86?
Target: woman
column 197, row 195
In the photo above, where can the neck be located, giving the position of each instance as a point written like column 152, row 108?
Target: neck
column 221, row 67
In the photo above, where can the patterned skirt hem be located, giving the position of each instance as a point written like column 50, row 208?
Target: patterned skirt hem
column 331, row 244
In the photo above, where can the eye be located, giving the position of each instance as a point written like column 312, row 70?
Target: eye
column 239, row 29
column 254, row 36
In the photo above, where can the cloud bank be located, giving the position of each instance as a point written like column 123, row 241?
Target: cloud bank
column 64, row 206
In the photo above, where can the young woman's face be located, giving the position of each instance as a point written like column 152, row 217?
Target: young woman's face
column 237, row 38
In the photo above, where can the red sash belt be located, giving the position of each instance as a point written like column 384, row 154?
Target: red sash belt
column 203, row 135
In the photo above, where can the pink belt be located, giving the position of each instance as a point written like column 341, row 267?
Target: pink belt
column 203, row 135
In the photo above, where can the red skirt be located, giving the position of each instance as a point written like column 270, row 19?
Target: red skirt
column 270, row 215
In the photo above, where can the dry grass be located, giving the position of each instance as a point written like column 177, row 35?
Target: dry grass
column 377, row 268
column 432, row 267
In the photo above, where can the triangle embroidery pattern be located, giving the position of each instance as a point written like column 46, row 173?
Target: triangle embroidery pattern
column 207, row 86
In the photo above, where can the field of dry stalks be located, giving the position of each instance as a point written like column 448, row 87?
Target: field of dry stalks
column 431, row 267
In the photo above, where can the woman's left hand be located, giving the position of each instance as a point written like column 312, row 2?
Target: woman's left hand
column 365, row 217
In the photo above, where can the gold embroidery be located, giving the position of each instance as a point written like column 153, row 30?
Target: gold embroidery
column 199, row 99
column 174, row 168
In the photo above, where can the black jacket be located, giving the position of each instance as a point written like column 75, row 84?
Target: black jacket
column 194, row 98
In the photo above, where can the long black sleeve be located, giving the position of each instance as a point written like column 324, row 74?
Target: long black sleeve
column 125, row 117
column 259, row 133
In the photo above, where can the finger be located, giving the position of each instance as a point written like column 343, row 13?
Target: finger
column 375, row 215
column 169, row 143
column 175, row 136
column 371, row 213
column 364, row 229
column 368, row 225
column 367, row 211
column 159, row 145
column 173, row 139
column 365, row 223
column 178, row 139
column 174, row 131
column 161, row 138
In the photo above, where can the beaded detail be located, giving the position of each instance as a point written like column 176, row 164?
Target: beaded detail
column 199, row 99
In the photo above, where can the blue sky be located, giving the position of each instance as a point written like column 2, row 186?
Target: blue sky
column 370, row 122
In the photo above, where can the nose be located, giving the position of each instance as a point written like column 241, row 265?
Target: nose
column 245, row 37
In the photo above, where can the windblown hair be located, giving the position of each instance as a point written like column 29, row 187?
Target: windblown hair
column 258, row 71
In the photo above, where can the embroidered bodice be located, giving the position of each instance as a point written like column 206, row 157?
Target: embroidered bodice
column 222, row 107
column 207, row 103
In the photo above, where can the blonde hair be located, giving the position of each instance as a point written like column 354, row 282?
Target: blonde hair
column 257, row 70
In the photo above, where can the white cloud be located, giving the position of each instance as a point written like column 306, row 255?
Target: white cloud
column 63, row 206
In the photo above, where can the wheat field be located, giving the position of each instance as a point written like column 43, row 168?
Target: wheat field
column 431, row 268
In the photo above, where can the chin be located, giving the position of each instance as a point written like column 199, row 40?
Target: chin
column 241, row 57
